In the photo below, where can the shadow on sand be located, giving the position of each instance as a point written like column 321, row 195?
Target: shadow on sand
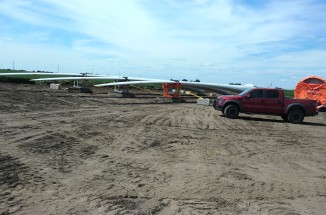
column 258, row 119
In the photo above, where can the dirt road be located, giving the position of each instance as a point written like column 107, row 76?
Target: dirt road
column 63, row 153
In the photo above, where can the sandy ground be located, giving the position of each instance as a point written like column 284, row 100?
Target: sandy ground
column 64, row 153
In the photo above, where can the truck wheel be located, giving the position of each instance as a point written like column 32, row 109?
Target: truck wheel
column 296, row 116
column 214, row 104
column 285, row 118
column 231, row 111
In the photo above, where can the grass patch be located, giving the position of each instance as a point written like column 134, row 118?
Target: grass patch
column 288, row 93
column 25, row 79
column 15, row 79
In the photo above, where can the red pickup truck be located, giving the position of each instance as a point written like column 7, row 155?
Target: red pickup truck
column 266, row 101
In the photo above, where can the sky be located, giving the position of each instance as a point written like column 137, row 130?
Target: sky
column 263, row 42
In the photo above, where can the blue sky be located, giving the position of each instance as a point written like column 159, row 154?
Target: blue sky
column 264, row 42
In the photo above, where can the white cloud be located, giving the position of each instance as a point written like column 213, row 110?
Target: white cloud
column 221, row 40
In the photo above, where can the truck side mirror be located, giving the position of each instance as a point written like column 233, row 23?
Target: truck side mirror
column 248, row 96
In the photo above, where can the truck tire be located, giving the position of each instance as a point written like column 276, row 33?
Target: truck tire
column 231, row 111
column 295, row 116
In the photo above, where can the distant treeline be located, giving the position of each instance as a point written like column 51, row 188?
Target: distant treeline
column 15, row 79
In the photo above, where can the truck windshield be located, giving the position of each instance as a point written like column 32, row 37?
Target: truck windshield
column 244, row 92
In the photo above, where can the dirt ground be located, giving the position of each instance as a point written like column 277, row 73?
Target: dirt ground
column 68, row 153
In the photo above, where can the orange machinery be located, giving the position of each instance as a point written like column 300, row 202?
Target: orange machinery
column 171, row 90
column 312, row 87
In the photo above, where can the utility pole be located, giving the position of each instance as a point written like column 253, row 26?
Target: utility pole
column 13, row 65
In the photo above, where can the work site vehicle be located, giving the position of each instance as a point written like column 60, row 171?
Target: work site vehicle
column 266, row 101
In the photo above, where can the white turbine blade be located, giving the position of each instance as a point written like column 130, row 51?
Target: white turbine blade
column 131, row 81
column 113, row 78
column 217, row 87
column 134, row 82
column 80, row 78
column 40, row 73
column 199, row 85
